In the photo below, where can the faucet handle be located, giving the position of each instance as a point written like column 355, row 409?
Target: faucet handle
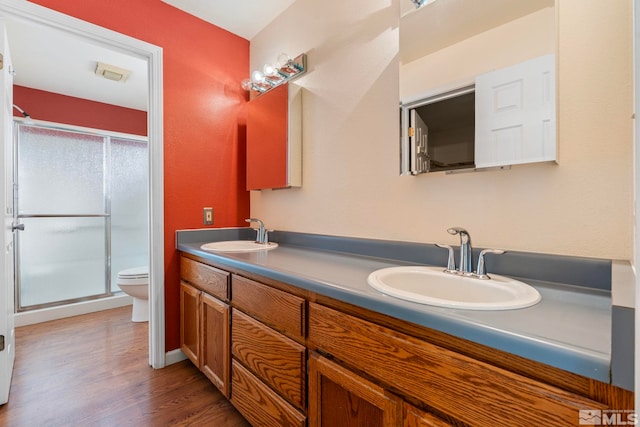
column 451, row 262
column 482, row 272
column 266, row 236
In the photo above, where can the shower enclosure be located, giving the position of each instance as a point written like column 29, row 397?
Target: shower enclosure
column 83, row 199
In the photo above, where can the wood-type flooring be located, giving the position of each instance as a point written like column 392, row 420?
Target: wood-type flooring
column 92, row 370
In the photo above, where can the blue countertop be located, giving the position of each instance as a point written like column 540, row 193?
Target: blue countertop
column 569, row 329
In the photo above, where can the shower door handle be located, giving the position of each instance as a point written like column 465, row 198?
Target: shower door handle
column 15, row 227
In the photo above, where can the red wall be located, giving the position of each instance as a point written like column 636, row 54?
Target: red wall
column 203, row 118
column 53, row 107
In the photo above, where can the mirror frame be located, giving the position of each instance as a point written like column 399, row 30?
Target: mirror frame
column 30, row 12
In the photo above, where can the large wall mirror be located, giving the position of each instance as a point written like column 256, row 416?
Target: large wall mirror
column 446, row 45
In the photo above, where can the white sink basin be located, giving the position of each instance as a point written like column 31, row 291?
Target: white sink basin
column 431, row 285
column 238, row 246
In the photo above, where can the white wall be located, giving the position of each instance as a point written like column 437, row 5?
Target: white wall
column 350, row 140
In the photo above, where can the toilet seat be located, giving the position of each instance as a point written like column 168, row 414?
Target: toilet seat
column 133, row 276
column 134, row 273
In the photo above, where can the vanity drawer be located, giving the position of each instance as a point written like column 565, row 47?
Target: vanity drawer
column 278, row 309
column 206, row 278
column 274, row 358
column 472, row 391
column 260, row 405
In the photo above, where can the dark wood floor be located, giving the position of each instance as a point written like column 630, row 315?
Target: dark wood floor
column 93, row 370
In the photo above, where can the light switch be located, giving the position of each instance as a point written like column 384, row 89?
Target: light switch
column 208, row 216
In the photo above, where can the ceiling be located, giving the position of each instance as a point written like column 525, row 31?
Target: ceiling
column 55, row 61
column 241, row 17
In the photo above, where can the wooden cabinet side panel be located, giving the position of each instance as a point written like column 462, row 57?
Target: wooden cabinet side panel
column 274, row 358
column 471, row 391
column 208, row 279
column 260, row 405
column 215, row 358
column 189, row 322
column 280, row 310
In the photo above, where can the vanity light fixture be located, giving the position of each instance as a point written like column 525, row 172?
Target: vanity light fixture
column 274, row 75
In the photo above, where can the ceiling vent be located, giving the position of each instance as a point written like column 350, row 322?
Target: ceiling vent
column 111, row 72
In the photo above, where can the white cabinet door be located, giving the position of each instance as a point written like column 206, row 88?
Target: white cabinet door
column 516, row 114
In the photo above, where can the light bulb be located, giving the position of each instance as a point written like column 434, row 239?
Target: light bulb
column 246, row 84
column 257, row 77
column 269, row 70
column 283, row 60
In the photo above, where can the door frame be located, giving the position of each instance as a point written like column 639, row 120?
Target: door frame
column 30, row 12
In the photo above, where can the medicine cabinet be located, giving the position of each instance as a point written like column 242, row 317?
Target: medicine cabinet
column 274, row 139
column 506, row 117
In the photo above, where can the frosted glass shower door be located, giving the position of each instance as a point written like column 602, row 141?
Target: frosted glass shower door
column 129, row 206
column 62, row 254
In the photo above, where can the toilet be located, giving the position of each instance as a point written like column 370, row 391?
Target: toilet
column 135, row 282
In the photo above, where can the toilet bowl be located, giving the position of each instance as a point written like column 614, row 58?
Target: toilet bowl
column 135, row 282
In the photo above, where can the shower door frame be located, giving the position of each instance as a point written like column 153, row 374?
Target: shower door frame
column 106, row 193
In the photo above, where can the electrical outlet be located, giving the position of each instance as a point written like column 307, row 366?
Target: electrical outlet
column 208, row 216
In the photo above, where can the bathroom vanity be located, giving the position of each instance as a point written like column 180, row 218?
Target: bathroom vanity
column 293, row 337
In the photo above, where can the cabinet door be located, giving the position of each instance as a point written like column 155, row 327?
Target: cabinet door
column 274, row 139
column 339, row 397
column 414, row 417
column 516, row 114
column 189, row 322
column 215, row 355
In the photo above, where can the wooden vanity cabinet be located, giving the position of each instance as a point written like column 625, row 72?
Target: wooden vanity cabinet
column 269, row 361
column 464, row 389
column 286, row 357
column 205, row 321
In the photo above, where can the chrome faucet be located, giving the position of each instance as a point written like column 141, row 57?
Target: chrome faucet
column 466, row 251
column 262, row 234
column 466, row 256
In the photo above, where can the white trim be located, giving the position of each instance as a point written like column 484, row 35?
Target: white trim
column 69, row 310
column 174, row 356
column 33, row 13
column 636, row 190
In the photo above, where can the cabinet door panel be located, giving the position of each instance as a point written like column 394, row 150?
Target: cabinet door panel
column 215, row 356
column 338, row 397
column 189, row 323
column 276, row 359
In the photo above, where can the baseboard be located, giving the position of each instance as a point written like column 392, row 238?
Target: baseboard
column 174, row 356
column 69, row 310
